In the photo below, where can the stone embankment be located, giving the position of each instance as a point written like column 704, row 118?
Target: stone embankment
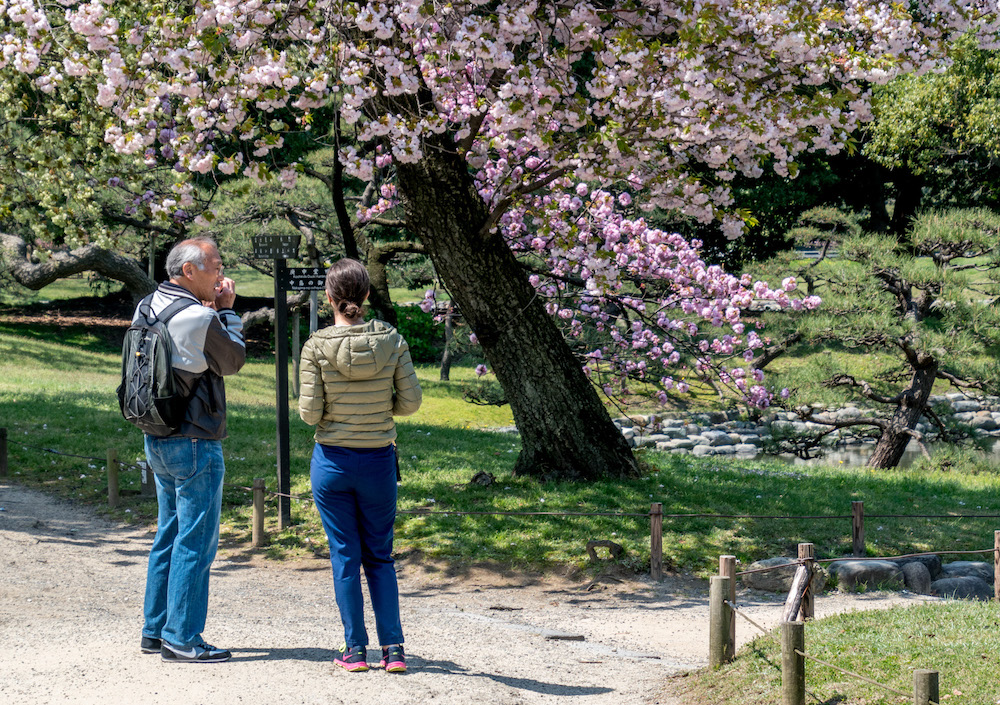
column 723, row 433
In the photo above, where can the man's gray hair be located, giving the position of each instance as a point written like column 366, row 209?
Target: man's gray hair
column 193, row 251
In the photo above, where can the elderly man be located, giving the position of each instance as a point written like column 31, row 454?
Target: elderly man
column 208, row 344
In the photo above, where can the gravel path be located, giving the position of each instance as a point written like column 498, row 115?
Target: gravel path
column 70, row 618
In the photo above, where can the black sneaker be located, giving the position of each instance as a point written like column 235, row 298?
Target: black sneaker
column 149, row 645
column 199, row 653
column 353, row 658
column 393, row 659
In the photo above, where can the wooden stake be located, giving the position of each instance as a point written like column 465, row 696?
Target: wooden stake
column 719, row 617
column 257, row 534
column 727, row 569
column 807, row 552
column 3, row 452
column 925, row 687
column 656, row 541
column 793, row 665
column 112, row 478
column 996, row 566
column 858, row 527
column 793, row 604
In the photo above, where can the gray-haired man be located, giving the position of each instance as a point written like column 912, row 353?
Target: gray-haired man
column 208, row 342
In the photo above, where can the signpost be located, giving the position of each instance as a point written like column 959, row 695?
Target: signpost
column 279, row 248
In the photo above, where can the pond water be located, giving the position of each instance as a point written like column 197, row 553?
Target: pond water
column 858, row 455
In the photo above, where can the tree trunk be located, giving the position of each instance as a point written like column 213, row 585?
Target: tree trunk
column 566, row 432
column 379, row 298
column 891, row 444
column 89, row 258
column 909, row 192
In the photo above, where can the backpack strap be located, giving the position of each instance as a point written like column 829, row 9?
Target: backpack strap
column 175, row 307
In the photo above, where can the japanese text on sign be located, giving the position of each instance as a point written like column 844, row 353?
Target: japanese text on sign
column 304, row 279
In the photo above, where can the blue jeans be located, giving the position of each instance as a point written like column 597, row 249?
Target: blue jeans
column 189, row 474
column 355, row 492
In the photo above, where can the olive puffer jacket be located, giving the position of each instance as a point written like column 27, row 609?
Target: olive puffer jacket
column 354, row 379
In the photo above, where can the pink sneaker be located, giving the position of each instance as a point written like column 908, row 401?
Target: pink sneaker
column 353, row 659
column 393, row 659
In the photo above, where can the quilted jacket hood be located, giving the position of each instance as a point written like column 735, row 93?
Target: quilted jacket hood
column 358, row 352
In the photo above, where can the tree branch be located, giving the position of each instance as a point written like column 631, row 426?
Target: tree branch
column 89, row 258
column 866, row 389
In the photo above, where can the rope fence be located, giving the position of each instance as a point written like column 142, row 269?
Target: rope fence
column 260, row 494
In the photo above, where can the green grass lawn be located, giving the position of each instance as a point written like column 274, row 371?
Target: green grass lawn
column 57, row 394
column 60, row 395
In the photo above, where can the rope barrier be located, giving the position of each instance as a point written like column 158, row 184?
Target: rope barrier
column 56, row 452
column 906, row 555
column 738, row 611
column 856, row 675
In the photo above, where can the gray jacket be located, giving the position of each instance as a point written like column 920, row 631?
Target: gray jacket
column 207, row 346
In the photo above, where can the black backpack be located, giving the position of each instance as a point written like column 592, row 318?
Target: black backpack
column 148, row 394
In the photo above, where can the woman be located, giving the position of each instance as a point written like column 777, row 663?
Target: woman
column 355, row 376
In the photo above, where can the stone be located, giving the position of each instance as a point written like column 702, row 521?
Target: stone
column 780, row 579
column 931, row 561
column 984, row 423
column 674, row 432
column 717, row 438
column 746, row 449
column 703, row 450
column 724, row 450
column 629, row 433
column 917, row 578
column 975, row 569
column 963, row 587
column 873, row 575
column 963, row 405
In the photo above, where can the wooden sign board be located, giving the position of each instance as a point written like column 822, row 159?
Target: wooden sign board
column 304, row 279
column 275, row 246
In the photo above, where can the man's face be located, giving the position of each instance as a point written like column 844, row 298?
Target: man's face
column 204, row 282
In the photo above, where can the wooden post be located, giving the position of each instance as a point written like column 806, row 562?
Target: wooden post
column 925, row 687
column 793, row 604
column 257, row 536
column 727, row 569
column 719, row 614
column 996, row 566
column 807, row 552
column 858, row 527
column 112, row 478
column 147, row 482
column 656, row 541
column 793, row 665
column 3, row 452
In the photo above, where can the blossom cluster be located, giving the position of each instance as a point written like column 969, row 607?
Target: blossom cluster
column 572, row 118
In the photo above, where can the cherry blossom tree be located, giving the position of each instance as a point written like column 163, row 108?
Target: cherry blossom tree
column 520, row 144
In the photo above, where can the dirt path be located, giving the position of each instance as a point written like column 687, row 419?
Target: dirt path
column 70, row 619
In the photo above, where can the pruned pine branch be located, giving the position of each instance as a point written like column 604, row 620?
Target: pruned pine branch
column 866, row 390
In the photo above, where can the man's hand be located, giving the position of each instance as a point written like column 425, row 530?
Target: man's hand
column 225, row 295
